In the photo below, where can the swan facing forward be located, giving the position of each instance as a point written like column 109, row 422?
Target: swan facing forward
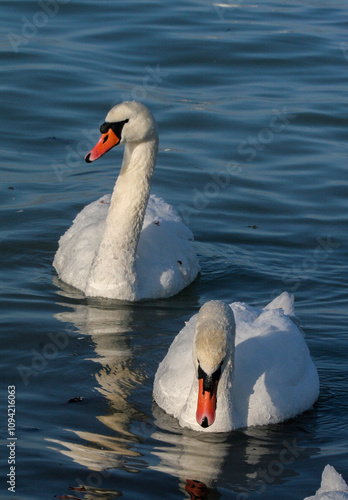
column 129, row 246
column 237, row 366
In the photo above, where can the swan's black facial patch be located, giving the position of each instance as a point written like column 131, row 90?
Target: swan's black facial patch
column 114, row 126
column 209, row 380
column 105, row 127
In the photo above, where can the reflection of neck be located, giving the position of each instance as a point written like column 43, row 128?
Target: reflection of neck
column 113, row 270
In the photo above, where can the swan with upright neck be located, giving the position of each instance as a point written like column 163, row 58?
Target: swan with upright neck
column 237, row 366
column 130, row 246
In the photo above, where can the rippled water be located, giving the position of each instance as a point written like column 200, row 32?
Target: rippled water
column 251, row 104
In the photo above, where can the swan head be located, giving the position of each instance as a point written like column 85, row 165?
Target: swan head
column 127, row 122
column 213, row 348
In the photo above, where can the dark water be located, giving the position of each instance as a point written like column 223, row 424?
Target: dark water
column 251, row 102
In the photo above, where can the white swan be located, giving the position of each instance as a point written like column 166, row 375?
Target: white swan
column 333, row 486
column 128, row 246
column 237, row 366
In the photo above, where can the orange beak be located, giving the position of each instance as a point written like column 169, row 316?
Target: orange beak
column 105, row 143
column 206, row 405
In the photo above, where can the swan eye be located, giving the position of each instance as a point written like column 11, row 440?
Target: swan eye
column 217, row 374
column 201, row 373
column 105, row 127
column 114, row 126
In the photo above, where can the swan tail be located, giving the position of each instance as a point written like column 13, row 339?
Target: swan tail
column 284, row 301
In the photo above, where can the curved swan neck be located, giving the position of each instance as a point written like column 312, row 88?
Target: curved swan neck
column 131, row 192
column 130, row 197
column 124, row 223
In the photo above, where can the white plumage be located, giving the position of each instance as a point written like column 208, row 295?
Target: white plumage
column 126, row 245
column 333, row 486
column 267, row 374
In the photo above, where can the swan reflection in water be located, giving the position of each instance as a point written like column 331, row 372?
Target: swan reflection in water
column 197, row 460
column 247, row 461
column 115, row 379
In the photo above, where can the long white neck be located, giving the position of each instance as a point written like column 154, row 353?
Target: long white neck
column 113, row 269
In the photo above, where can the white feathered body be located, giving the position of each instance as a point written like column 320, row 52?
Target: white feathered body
column 274, row 376
column 165, row 262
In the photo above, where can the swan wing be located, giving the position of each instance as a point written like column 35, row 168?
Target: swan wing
column 176, row 372
column 275, row 377
column 79, row 244
column 166, row 259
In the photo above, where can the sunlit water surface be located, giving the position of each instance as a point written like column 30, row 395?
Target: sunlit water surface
column 251, row 103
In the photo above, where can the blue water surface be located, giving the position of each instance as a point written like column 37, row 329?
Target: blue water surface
column 251, row 101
